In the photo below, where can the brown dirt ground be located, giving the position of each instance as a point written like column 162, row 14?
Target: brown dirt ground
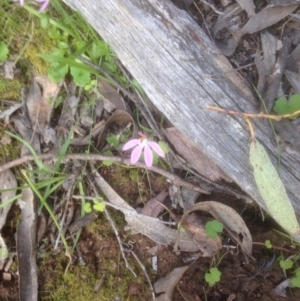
column 99, row 247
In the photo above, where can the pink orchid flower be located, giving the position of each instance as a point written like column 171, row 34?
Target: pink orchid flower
column 139, row 145
column 42, row 8
column 44, row 5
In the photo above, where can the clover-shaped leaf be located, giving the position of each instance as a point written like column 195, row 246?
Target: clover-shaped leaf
column 213, row 228
column 87, row 207
column 213, row 276
column 268, row 244
column 81, row 76
column 98, row 206
column 286, row 264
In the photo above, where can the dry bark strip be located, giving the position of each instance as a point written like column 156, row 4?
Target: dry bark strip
column 182, row 72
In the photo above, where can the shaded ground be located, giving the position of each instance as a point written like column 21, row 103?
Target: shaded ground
column 98, row 257
column 98, row 271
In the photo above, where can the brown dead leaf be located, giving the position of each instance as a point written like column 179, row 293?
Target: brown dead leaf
column 111, row 94
column 201, row 163
column 23, row 125
column 167, row 284
column 293, row 61
column 288, row 132
column 189, row 198
column 294, row 80
column 26, row 248
column 270, row 46
column 231, row 221
column 266, row 17
column 248, row 6
column 40, row 105
column 120, row 117
column 7, row 181
column 153, row 207
column 196, row 225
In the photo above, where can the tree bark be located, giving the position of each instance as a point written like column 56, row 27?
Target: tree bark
column 182, row 72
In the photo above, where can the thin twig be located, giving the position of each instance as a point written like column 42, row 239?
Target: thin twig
column 119, row 241
column 253, row 115
column 96, row 157
column 144, row 270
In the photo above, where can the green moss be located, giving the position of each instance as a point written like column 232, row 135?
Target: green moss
column 10, row 89
column 8, row 152
column 78, row 284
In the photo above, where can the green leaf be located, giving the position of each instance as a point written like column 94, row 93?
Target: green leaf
column 87, row 207
column 57, row 71
column 164, row 147
column 107, row 162
column 100, row 49
column 271, row 188
column 44, row 20
column 4, row 51
column 213, row 228
column 54, row 33
column 180, row 228
column 98, row 206
column 81, row 76
column 136, row 84
column 112, row 139
column 268, row 244
column 296, row 280
column 286, row 264
column 282, row 106
column 62, row 45
column 213, row 276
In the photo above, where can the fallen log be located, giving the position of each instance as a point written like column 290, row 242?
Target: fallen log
column 182, row 72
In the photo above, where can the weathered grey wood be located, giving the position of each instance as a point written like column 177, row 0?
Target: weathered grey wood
column 182, row 72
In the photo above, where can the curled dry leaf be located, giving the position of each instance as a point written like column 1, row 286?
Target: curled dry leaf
column 26, row 248
column 231, row 221
column 120, row 117
column 111, row 95
column 167, row 284
column 196, row 225
column 7, row 181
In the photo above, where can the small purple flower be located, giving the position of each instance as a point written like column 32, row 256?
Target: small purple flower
column 139, row 145
column 44, row 5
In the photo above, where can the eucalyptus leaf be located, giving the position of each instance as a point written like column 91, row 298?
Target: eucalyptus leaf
column 272, row 189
